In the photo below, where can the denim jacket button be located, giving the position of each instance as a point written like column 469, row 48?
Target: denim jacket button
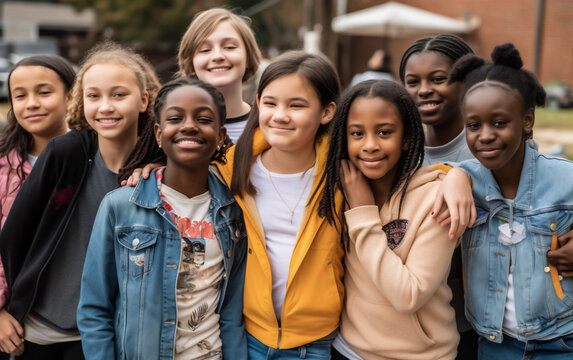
column 492, row 337
column 547, row 269
column 228, row 253
column 237, row 233
column 135, row 242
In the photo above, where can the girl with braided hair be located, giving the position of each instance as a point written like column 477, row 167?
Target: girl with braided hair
column 517, row 302
column 398, row 257
column 424, row 71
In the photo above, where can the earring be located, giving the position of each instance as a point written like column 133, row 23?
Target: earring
column 218, row 147
column 159, row 144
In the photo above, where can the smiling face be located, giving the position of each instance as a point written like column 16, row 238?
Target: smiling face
column 290, row 113
column 426, row 80
column 39, row 101
column 190, row 129
column 495, row 126
column 221, row 59
column 375, row 137
column 112, row 101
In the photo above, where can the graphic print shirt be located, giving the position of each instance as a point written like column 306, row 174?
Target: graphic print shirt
column 200, row 275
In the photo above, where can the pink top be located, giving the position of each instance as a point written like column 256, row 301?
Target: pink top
column 9, row 186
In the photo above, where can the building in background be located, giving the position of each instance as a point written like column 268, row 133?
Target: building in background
column 540, row 29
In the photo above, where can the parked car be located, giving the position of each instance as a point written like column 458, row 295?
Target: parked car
column 5, row 66
column 559, row 95
column 14, row 51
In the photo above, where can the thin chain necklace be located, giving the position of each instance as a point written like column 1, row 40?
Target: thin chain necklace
column 291, row 211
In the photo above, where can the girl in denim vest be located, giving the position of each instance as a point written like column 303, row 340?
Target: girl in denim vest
column 164, row 272
column 517, row 302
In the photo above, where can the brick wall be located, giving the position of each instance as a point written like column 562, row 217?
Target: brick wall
column 501, row 21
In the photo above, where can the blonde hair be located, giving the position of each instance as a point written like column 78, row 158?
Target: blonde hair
column 202, row 25
column 112, row 53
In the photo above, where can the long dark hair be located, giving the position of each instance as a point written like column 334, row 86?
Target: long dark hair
column 14, row 136
column 321, row 75
column 410, row 160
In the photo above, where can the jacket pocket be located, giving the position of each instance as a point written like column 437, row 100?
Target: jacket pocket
column 138, row 246
column 543, row 227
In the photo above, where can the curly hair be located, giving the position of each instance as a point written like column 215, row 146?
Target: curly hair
column 410, row 160
column 109, row 52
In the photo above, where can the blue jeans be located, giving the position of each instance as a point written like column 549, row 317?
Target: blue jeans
column 316, row 350
column 513, row 349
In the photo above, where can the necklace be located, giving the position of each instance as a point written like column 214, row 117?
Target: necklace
column 291, row 211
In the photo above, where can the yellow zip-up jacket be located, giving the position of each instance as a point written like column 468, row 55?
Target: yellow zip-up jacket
column 315, row 291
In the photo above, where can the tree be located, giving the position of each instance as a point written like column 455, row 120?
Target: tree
column 155, row 23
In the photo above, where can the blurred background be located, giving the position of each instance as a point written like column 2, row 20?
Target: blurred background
column 347, row 31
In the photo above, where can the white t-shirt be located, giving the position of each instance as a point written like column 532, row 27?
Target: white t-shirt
column 200, row 277
column 279, row 225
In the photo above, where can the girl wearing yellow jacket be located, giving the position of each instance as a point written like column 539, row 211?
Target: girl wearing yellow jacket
column 293, row 283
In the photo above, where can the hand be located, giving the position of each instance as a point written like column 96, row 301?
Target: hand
column 562, row 258
column 454, row 204
column 11, row 334
column 134, row 177
column 355, row 186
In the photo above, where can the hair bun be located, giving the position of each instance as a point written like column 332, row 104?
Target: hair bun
column 508, row 55
column 464, row 66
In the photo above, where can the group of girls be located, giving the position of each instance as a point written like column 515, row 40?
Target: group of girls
column 319, row 227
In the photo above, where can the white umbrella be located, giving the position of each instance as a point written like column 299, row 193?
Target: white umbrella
column 397, row 20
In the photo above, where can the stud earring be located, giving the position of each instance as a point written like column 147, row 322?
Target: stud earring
column 159, row 144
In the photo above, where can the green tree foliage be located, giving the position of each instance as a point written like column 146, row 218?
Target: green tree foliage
column 157, row 23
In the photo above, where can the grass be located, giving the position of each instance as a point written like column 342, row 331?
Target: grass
column 554, row 119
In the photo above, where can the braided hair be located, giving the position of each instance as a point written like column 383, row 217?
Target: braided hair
column 410, row 160
column 453, row 47
column 506, row 68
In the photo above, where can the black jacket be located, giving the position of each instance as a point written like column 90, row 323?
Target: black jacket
column 40, row 215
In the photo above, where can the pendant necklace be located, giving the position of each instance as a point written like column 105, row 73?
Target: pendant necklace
column 291, row 211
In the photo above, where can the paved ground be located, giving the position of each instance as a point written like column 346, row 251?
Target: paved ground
column 549, row 138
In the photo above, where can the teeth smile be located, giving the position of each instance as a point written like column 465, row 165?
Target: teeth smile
column 107, row 121
column 428, row 105
column 187, row 142
column 219, row 69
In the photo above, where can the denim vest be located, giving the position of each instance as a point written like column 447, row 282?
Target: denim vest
column 132, row 222
column 544, row 197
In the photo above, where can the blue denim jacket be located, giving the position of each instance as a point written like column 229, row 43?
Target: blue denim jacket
column 128, row 311
column 544, row 196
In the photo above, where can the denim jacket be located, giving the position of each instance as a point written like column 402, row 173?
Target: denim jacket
column 544, row 197
column 128, row 310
